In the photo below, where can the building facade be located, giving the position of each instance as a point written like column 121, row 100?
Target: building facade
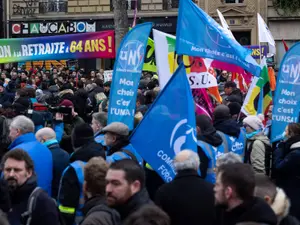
column 35, row 18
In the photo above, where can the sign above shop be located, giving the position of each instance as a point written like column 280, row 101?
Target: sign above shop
column 46, row 28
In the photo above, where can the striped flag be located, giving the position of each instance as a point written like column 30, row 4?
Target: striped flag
column 259, row 95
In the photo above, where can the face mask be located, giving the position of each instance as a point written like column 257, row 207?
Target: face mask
column 248, row 136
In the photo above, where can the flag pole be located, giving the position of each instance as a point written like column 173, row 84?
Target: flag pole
column 175, row 61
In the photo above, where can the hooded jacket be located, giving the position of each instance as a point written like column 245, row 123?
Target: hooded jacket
column 257, row 155
column 70, row 189
column 255, row 210
column 281, row 207
column 228, row 126
column 41, row 157
column 45, row 211
column 238, row 94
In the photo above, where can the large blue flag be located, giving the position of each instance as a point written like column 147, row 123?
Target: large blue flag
column 201, row 36
column 287, row 94
column 168, row 127
column 126, row 75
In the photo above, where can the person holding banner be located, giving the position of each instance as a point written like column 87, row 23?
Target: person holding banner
column 287, row 166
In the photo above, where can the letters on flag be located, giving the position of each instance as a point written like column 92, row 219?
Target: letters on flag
column 126, row 75
column 197, row 69
column 287, row 93
column 252, row 104
column 199, row 35
column 170, row 126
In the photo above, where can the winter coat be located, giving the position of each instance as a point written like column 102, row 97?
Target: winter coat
column 281, row 206
column 60, row 162
column 4, row 98
column 98, row 217
column 41, row 157
column 228, row 126
column 70, row 191
column 287, row 167
column 45, row 211
column 239, row 95
column 255, row 210
column 257, row 155
column 188, row 199
column 134, row 203
column 80, row 102
column 213, row 139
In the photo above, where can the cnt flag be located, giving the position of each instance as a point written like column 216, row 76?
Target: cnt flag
column 259, row 95
column 170, row 126
column 211, row 40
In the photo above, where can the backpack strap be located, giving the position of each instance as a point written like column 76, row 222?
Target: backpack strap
column 31, row 204
column 132, row 156
column 104, row 208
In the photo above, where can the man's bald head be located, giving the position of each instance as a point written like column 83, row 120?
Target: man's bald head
column 45, row 134
column 186, row 159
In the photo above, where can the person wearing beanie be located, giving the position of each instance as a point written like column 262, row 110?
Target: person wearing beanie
column 230, row 131
column 235, row 112
column 258, row 145
column 209, row 144
column 70, row 191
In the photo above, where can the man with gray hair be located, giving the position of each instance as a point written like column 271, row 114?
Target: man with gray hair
column 188, row 199
column 21, row 133
column 98, row 122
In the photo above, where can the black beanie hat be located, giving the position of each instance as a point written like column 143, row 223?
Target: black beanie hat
column 235, row 108
column 221, row 112
column 82, row 134
column 205, row 125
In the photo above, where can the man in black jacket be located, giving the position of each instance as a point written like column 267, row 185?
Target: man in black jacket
column 95, row 210
column 60, row 157
column 18, row 171
column 188, row 199
column 70, row 194
column 125, row 189
column 231, row 90
column 234, row 191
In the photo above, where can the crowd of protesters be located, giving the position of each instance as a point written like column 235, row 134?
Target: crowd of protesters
column 63, row 164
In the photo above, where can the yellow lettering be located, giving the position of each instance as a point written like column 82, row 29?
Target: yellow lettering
column 95, row 45
column 102, row 45
column 87, row 46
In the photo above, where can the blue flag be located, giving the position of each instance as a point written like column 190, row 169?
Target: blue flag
column 168, row 127
column 287, row 94
column 126, row 75
column 199, row 35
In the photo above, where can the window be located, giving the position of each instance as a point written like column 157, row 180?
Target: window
column 234, row 1
column 53, row 6
column 130, row 4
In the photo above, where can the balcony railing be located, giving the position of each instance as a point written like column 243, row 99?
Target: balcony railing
column 53, row 6
column 170, row 4
column 130, row 4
